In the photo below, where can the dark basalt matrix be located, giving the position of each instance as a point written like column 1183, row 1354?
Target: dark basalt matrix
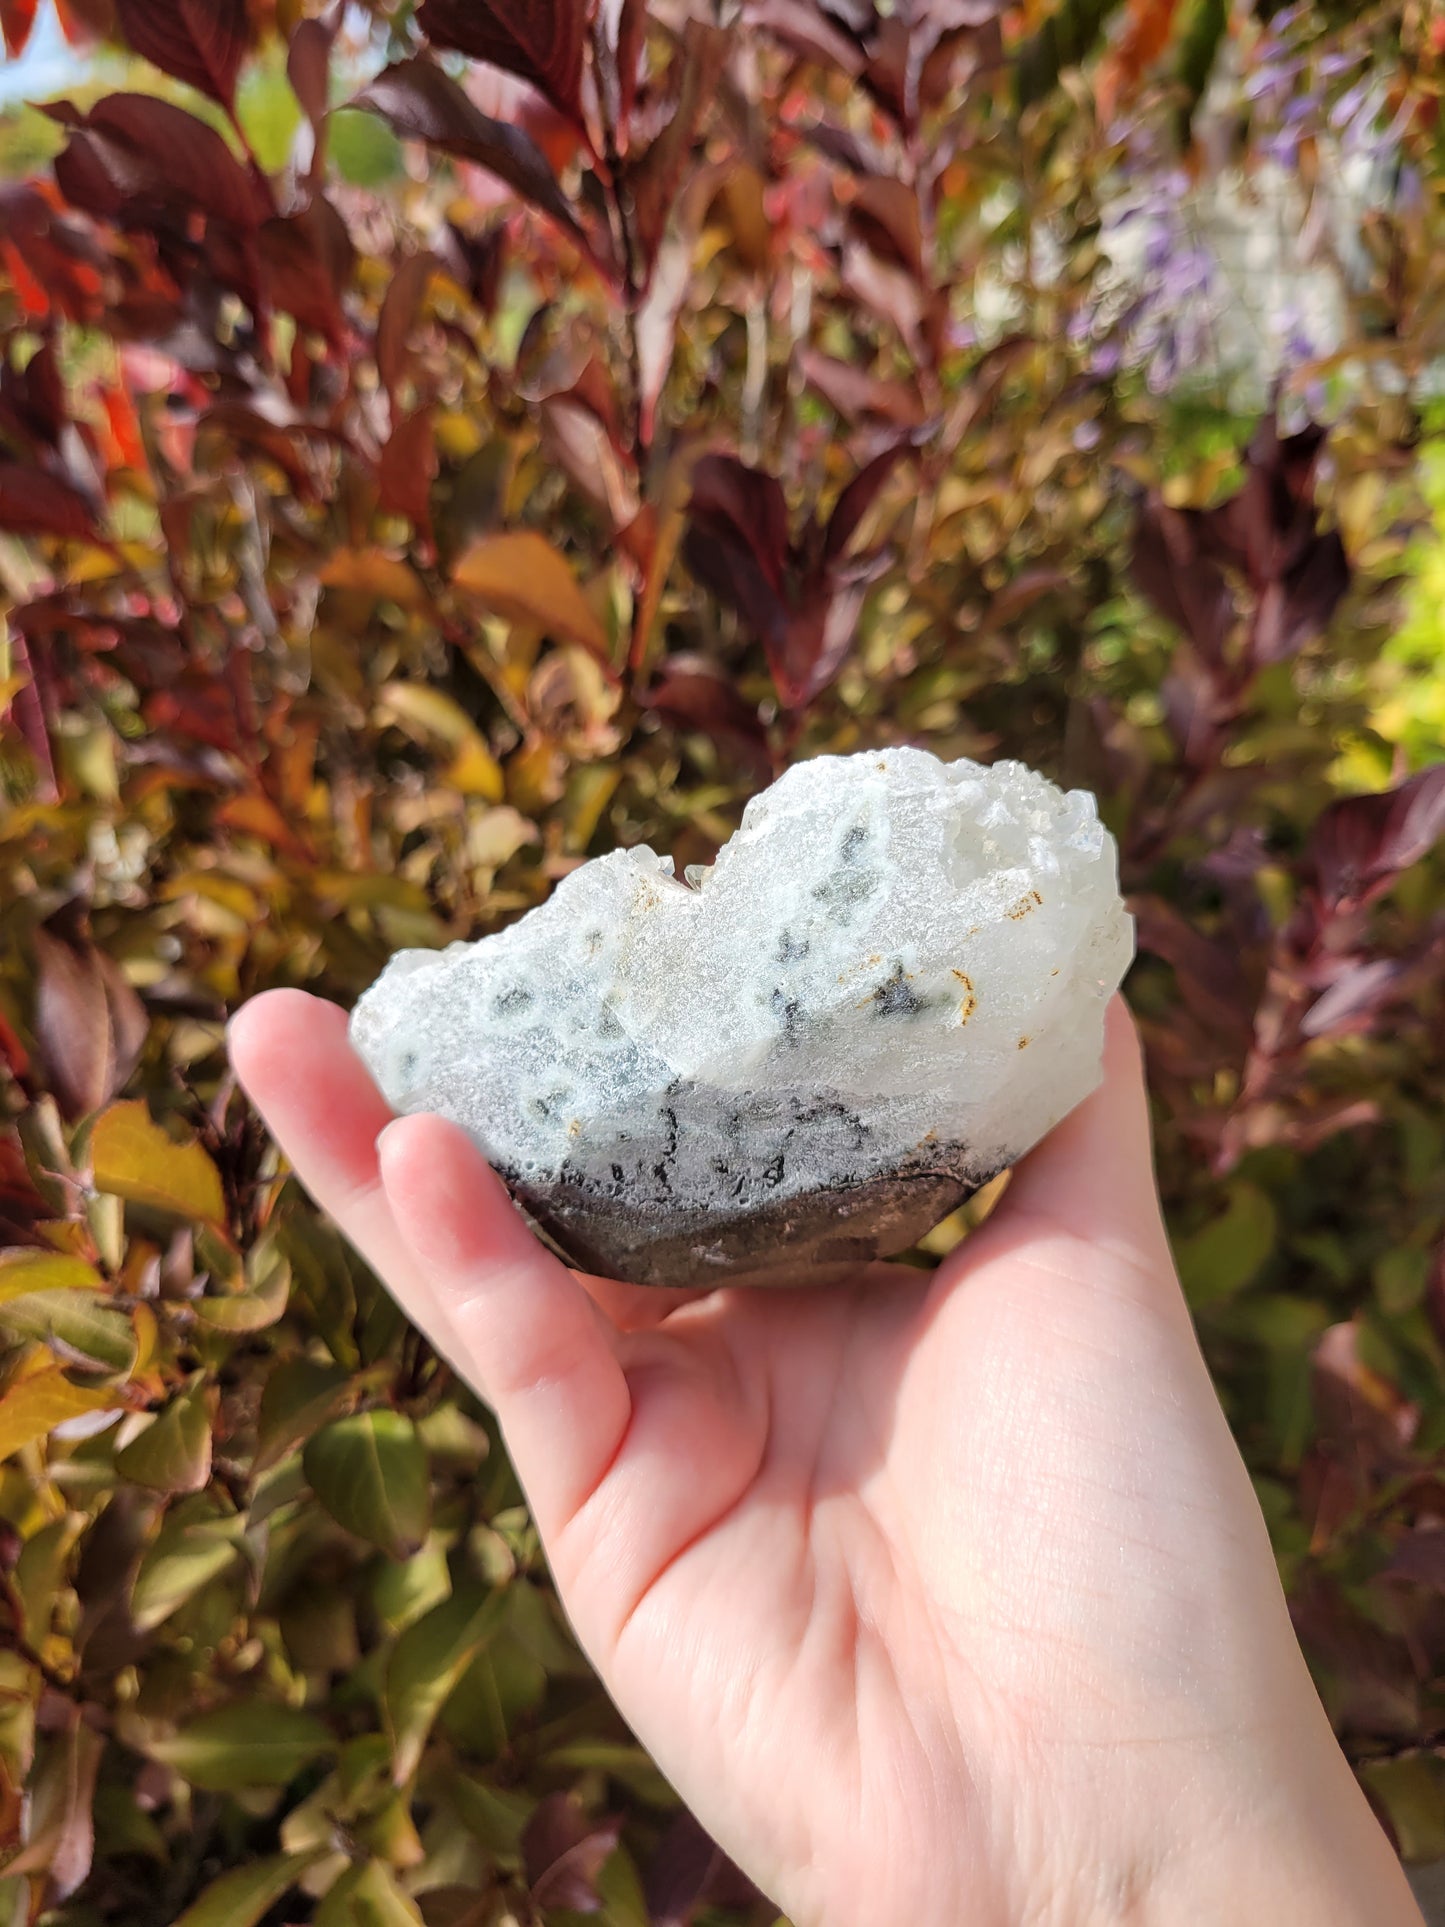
column 889, row 986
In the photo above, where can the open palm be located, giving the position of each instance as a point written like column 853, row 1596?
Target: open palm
column 940, row 1597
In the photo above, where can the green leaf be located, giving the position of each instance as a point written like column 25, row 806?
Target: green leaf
column 133, row 1158
column 261, row 1304
column 364, row 150
column 1412, row 1792
column 368, row 1896
column 300, row 1396
column 270, row 114
column 425, row 1665
column 241, row 1897
column 251, row 1743
column 186, row 1554
column 1066, row 39
column 173, row 1454
column 1219, row 1260
column 86, row 1329
column 495, row 1816
column 370, row 1473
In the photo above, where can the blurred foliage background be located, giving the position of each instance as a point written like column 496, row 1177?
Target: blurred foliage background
column 441, row 442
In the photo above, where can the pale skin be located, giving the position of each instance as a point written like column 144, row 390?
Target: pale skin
column 942, row 1599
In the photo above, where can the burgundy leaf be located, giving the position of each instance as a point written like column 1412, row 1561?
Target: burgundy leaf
column 1361, row 844
column 86, row 22
column 620, row 35
column 308, row 65
column 399, row 310
column 819, row 634
column 1420, row 1558
column 1298, row 608
column 34, row 503
column 806, row 30
column 307, row 262
column 541, row 41
column 475, row 262
column 89, row 1023
column 32, row 399
column 423, row 103
column 1209, row 970
column 17, row 19
column 653, row 182
column 732, row 573
column 198, row 41
column 1354, row 999
column 29, row 709
column 688, row 1871
column 861, row 493
column 1186, row 587
column 148, row 150
column 852, row 391
column 407, row 469
column 692, row 693
column 744, row 506
column 563, row 1851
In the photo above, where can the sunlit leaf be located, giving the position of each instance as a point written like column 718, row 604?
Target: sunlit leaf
column 521, row 576
column 133, row 1158
column 33, row 1408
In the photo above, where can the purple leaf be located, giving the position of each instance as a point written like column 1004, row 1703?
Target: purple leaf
column 1362, row 844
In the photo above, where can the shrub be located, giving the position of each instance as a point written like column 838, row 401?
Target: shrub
column 416, row 476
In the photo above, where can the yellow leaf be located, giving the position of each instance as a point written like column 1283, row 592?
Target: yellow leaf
column 426, row 712
column 133, row 1158
column 524, row 578
column 22, row 1272
column 32, row 1409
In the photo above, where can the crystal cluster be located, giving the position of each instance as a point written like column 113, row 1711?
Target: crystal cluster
column 888, row 987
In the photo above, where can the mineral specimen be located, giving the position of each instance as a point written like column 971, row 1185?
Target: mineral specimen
column 888, row 987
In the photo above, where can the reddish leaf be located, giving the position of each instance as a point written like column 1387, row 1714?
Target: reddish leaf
column 1420, row 1558
column 422, row 103
column 399, row 311
column 85, row 22
column 1362, row 844
column 541, row 41
column 132, row 149
column 620, row 37
column 29, row 710
column 475, row 262
column 17, row 18
column 308, row 65
column 563, row 1852
column 89, row 1023
column 407, row 470
column 688, row 1871
column 860, row 495
column 745, row 507
column 307, row 262
column 34, row 503
column 1184, row 585
column 653, row 182
column 691, row 693
column 853, row 392
column 198, row 41
column 1355, row 999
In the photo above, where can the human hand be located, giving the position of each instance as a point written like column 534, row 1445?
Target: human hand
column 940, row 1597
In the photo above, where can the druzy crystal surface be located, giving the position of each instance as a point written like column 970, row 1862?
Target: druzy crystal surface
column 888, row 987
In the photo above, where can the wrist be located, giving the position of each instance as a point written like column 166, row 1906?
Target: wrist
column 1315, row 1854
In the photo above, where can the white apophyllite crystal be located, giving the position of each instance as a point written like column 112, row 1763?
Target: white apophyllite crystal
column 889, row 986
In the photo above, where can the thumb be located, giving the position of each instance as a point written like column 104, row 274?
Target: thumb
column 1093, row 1175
